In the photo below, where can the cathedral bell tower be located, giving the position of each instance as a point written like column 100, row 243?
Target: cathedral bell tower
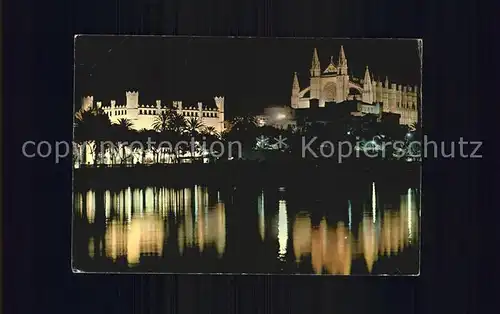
column 315, row 76
column 343, row 80
column 294, row 102
column 367, row 87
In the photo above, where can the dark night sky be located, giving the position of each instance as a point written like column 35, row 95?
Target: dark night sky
column 250, row 73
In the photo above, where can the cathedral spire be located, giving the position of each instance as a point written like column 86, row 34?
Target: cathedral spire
column 342, row 61
column 295, row 85
column 294, row 101
column 367, row 79
column 342, row 55
column 315, row 65
column 368, row 95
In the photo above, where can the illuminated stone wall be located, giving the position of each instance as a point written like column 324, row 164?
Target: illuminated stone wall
column 143, row 116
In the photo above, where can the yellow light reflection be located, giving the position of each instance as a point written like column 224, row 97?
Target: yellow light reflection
column 107, row 203
column 90, row 204
column 374, row 203
column 144, row 236
column 282, row 228
column 91, row 247
column 332, row 248
column 206, row 228
column 301, row 234
column 369, row 242
column 78, row 200
column 261, row 214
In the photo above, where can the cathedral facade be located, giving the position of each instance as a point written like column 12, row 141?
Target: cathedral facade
column 334, row 85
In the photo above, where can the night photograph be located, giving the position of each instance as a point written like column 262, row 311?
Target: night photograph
column 247, row 156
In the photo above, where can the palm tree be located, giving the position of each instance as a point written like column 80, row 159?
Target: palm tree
column 244, row 122
column 193, row 125
column 161, row 122
column 125, row 123
column 92, row 127
column 210, row 130
column 123, row 131
column 176, row 121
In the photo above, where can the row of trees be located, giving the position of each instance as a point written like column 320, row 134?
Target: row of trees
column 93, row 126
column 93, row 129
column 358, row 131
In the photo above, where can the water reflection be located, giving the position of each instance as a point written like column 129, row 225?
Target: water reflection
column 332, row 248
column 188, row 227
column 136, row 221
column 261, row 213
column 282, row 229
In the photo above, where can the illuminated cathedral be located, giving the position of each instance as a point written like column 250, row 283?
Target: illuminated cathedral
column 334, row 85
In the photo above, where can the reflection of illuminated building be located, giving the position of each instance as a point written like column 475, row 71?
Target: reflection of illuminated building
column 208, row 227
column 301, row 236
column 396, row 231
column 330, row 248
column 91, row 247
column 78, row 200
column 144, row 235
column 260, row 212
column 90, row 206
column 374, row 203
column 135, row 220
column 368, row 238
column 116, row 240
column 282, row 228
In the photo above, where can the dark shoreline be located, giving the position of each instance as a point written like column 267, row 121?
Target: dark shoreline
column 296, row 173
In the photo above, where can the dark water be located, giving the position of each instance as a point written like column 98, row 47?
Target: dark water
column 372, row 229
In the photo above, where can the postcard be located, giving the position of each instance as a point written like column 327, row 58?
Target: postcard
column 292, row 156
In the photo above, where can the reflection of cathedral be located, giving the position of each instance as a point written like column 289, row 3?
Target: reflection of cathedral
column 335, row 85
column 332, row 248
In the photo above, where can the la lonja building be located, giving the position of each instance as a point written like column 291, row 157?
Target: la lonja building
column 143, row 116
column 334, row 85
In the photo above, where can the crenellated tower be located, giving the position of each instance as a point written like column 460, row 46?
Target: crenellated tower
column 219, row 102
column 132, row 105
column 87, row 103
